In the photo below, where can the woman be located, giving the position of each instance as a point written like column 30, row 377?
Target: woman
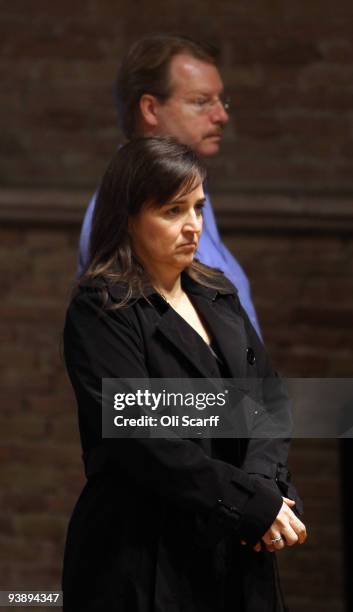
column 167, row 525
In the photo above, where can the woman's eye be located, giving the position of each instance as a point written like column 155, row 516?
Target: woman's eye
column 199, row 208
column 171, row 212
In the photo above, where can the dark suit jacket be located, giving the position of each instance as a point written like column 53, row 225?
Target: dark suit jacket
column 159, row 523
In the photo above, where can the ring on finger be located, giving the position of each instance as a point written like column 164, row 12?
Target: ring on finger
column 276, row 540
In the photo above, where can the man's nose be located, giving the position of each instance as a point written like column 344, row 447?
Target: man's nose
column 219, row 113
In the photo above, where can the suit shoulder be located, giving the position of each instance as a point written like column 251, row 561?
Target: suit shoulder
column 213, row 278
column 101, row 299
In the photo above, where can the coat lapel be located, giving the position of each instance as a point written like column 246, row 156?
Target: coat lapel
column 185, row 341
column 228, row 331
column 222, row 320
column 224, row 323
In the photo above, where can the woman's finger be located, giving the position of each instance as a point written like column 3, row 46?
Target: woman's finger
column 290, row 536
column 289, row 502
column 274, row 539
column 256, row 548
column 286, row 529
column 299, row 529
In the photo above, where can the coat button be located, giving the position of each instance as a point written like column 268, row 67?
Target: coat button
column 250, row 355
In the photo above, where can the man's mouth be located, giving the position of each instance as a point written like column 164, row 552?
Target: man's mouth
column 217, row 135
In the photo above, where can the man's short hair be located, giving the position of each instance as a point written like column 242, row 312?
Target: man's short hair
column 145, row 70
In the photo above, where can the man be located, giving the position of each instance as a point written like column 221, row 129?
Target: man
column 170, row 86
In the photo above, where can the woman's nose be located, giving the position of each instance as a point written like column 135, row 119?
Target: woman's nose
column 193, row 223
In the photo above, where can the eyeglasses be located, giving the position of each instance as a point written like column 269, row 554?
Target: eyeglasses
column 204, row 104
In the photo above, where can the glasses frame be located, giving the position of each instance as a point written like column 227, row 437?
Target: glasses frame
column 202, row 104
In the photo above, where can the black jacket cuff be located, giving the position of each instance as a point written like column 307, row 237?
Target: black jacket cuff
column 259, row 513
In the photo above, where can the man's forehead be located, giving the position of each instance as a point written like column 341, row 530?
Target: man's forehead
column 192, row 75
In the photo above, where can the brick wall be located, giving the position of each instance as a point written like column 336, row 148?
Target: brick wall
column 41, row 473
column 288, row 67
column 302, row 287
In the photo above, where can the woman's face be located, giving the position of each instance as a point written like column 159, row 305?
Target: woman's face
column 166, row 237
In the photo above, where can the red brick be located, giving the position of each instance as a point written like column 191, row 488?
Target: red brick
column 290, row 131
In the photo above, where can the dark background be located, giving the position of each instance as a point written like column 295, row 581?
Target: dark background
column 282, row 188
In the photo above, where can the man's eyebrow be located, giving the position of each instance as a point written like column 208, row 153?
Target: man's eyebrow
column 203, row 92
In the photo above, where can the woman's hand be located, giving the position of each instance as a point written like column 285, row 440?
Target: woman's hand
column 286, row 530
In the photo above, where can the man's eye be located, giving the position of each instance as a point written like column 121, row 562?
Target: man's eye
column 201, row 102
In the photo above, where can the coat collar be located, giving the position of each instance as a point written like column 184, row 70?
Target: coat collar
column 227, row 329
column 117, row 291
column 225, row 324
column 222, row 319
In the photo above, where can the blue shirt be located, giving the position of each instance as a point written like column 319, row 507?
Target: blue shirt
column 211, row 251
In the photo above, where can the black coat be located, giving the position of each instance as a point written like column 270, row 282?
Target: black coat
column 158, row 525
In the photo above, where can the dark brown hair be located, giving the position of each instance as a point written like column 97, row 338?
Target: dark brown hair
column 144, row 171
column 145, row 70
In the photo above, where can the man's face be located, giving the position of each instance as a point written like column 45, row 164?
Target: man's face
column 193, row 113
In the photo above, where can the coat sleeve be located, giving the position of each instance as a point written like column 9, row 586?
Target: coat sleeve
column 108, row 344
column 266, row 458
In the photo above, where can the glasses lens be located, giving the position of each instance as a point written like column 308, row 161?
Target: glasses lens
column 226, row 103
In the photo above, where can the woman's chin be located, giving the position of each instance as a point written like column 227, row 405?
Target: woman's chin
column 185, row 260
column 186, row 253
